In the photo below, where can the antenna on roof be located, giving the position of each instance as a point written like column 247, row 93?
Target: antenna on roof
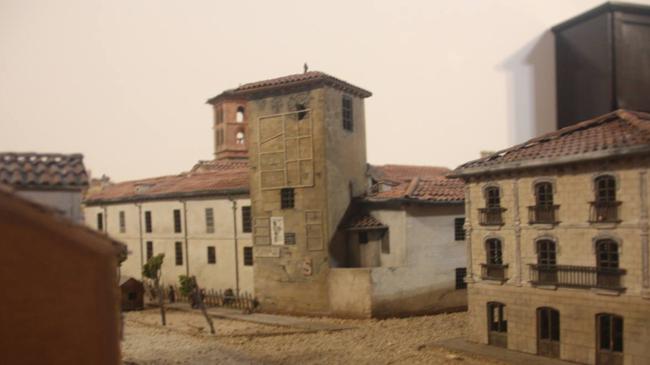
column 305, row 67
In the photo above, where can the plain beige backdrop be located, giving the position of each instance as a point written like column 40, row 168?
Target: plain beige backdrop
column 124, row 81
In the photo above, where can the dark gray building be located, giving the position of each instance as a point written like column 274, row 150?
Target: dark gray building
column 603, row 62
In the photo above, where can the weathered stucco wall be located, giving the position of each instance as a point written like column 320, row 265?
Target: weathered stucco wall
column 220, row 275
column 66, row 202
column 351, row 292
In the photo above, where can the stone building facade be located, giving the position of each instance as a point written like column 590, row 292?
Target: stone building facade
column 558, row 256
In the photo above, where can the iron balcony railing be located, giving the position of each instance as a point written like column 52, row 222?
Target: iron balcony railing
column 604, row 212
column 493, row 272
column 491, row 216
column 546, row 214
column 577, row 276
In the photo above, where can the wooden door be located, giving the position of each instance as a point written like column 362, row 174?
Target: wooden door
column 609, row 331
column 497, row 324
column 548, row 332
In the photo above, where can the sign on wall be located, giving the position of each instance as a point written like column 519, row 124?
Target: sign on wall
column 277, row 230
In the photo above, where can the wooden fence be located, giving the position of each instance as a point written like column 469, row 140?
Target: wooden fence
column 211, row 298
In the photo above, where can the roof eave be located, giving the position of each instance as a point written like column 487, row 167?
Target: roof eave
column 167, row 196
column 546, row 162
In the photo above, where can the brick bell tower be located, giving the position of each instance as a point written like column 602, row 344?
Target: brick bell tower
column 230, row 126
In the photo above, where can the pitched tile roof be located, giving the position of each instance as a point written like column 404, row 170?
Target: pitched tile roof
column 205, row 179
column 43, row 170
column 617, row 133
column 302, row 79
column 397, row 173
column 365, row 222
column 432, row 190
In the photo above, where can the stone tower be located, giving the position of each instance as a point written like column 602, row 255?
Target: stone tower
column 230, row 126
column 307, row 160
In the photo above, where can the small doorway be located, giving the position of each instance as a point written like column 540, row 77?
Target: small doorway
column 548, row 332
column 609, row 329
column 497, row 325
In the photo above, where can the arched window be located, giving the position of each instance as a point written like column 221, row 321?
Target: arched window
column 239, row 137
column 546, row 253
column 605, row 189
column 610, row 335
column 493, row 198
column 608, row 274
column 239, row 117
column 544, row 194
column 492, row 213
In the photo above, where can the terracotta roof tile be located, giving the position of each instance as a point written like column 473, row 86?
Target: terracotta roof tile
column 42, row 170
column 365, row 222
column 206, row 178
column 613, row 132
column 397, row 173
column 306, row 78
column 436, row 190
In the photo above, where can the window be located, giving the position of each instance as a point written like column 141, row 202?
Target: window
column 239, row 138
column 248, row 256
column 607, row 251
column 548, row 324
column 610, row 332
column 287, row 198
column 494, row 253
column 212, row 255
column 179, row 253
column 605, row 189
column 239, row 117
column 149, row 250
column 177, row 221
column 546, row 253
column 132, row 296
column 348, row 122
column 461, row 272
column 219, row 114
column 497, row 317
column 147, row 222
column 544, row 194
column 302, row 111
column 493, row 198
column 246, row 219
column 289, row 238
column 459, row 229
column 209, row 220
column 492, row 213
column 122, row 222
column 363, row 237
column 100, row 221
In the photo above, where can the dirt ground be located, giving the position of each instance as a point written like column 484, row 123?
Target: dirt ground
column 186, row 340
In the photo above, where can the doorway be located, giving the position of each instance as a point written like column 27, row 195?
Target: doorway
column 548, row 332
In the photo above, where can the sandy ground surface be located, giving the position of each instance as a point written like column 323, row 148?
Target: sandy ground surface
column 186, row 340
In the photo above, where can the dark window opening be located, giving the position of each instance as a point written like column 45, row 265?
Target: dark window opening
column 549, row 324
column 148, row 227
column 459, row 229
column 494, row 252
column 149, row 250
column 461, row 272
column 546, row 253
column 248, row 256
column 100, row 221
column 363, row 237
column 247, row 221
column 544, row 194
column 179, row 253
column 348, row 121
column 209, row 220
column 607, row 254
column 497, row 321
column 122, row 222
column 212, row 255
column 289, row 238
column 287, row 198
column 302, row 111
column 610, row 332
column 177, row 221
column 132, row 296
column 493, row 197
column 605, row 189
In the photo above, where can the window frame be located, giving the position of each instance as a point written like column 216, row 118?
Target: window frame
column 501, row 323
column 247, row 219
column 459, row 229
column 209, row 220
column 546, row 252
column 149, row 250
column 248, row 256
column 148, row 222
column 122, row 221
column 178, row 253
column 460, row 274
column 544, row 194
column 100, row 222
column 178, row 225
column 605, row 187
column 287, row 198
column 494, row 251
column 211, row 255
column 347, row 113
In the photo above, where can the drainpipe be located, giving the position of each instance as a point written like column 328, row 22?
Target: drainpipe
column 234, row 224
column 187, row 253
column 141, row 238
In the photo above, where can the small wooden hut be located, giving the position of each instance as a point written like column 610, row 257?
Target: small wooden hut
column 132, row 292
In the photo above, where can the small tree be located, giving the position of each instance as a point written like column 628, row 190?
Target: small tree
column 151, row 271
column 190, row 288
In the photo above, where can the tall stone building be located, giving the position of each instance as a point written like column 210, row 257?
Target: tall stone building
column 558, row 252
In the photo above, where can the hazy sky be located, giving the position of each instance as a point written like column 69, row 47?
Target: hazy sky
column 125, row 81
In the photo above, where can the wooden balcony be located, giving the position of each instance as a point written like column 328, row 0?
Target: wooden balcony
column 543, row 214
column 577, row 276
column 493, row 272
column 604, row 212
column 491, row 216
